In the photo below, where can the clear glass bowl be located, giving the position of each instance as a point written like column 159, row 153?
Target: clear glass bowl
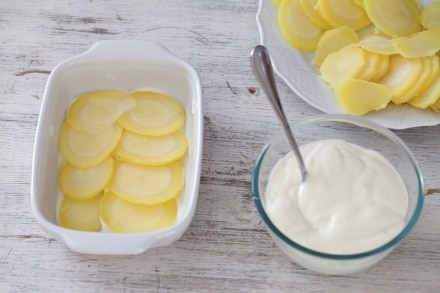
column 359, row 131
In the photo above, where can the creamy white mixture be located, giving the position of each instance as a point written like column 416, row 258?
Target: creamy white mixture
column 352, row 201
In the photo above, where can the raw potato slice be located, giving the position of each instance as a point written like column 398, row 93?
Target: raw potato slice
column 377, row 43
column 358, row 96
column 359, row 3
column 155, row 114
column 85, row 183
column 395, row 18
column 430, row 16
column 308, row 7
column 151, row 150
column 343, row 13
column 124, row 217
column 372, row 66
column 424, row 80
column 80, row 215
column 421, row 44
column 401, row 76
column 147, row 184
column 298, row 31
column 85, row 150
column 347, row 62
column 384, row 64
column 95, row 111
column 333, row 40
column 432, row 93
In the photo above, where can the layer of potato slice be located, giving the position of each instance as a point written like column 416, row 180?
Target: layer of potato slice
column 430, row 16
column 85, row 183
column 402, row 74
column 358, row 96
column 95, row 111
column 373, row 66
column 431, row 94
column 395, row 18
column 80, row 214
column 147, row 184
column 298, row 31
column 425, row 78
column 154, row 114
column 124, row 217
column 377, row 43
column 421, row 44
column 151, row 150
column 308, row 7
column 333, row 40
column 347, row 62
column 84, row 150
column 343, row 13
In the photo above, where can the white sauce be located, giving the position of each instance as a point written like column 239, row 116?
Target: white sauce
column 352, row 201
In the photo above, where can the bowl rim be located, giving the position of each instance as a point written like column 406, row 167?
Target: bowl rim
column 362, row 122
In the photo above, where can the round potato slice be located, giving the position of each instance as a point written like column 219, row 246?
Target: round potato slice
column 95, row 111
column 308, row 7
column 124, row 217
column 85, row 183
column 80, row 215
column 421, row 44
column 85, row 150
column 377, row 43
column 430, row 16
column 154, row 114
column 151, row 150
column 147, row 184
column 343, row 13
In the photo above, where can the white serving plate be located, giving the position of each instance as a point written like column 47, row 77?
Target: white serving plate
column 295, row 69
column 126, row 65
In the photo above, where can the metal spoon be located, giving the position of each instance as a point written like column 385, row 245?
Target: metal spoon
column 262, row 66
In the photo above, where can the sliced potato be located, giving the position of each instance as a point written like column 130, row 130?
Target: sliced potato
column 372, row 66
column 382, row 68
column 80, row 215
column 359, row 3
column 147, row 184
column 424, row 80
column 377, row 43
column 358, row 96
column 430, row 16
column 333, row 40
column 85, row 183
column 308, row 7
column 85, row 150
column 125, row 217
column 347, row 62
column 155, row 114
column 298, row 31
column 151, row 150
column 95, row 111
column 402, row 74
column 343, row 13
column 431, row 95
column 421, row 44
column 395, row 18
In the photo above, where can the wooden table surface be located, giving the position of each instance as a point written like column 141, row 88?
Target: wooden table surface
column 226, row 248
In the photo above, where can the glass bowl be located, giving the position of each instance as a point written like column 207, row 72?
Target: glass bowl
column 355, row 130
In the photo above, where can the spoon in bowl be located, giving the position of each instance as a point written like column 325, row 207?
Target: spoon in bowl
column 262, row 67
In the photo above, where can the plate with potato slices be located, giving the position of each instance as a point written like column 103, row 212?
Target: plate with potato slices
column 373, row 58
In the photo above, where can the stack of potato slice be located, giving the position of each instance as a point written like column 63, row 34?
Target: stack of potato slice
column 121, row 165
column 370, row 52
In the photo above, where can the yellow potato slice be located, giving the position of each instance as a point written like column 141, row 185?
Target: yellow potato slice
column 430, row 16
column 298, row 31
column 95, row 111
column 124, row 217
column 343, row 13
column 372, row 66
column 402, row 74
column 358, row 97
column 424, row 80
column 308, row 7
column 147, row 184
column 333, row 40
column 85, row 183
column 377, row 43
column 421, row 44
column 359, row 3
column 151, row 150
column 85, row 150
column 382, row 68
column 394, row 18
column 154, row 114
column 80, row 215
column 431, row 94
column 347, row 62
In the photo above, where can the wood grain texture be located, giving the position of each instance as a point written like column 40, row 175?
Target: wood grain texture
column 226, row 248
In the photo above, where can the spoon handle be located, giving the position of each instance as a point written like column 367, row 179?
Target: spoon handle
column 262, row 67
